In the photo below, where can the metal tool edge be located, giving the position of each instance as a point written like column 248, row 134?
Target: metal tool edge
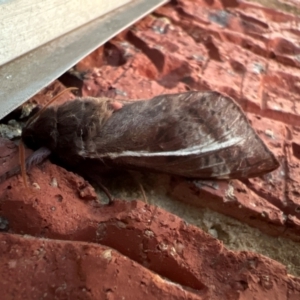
column 38, row 68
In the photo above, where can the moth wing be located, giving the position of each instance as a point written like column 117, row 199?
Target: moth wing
column 193, row 134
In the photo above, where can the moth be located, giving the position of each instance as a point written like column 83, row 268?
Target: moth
column 200, row 135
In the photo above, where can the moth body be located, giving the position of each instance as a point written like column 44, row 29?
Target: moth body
column 193, row 134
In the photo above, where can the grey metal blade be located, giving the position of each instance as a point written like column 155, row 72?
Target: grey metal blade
column 23, row 77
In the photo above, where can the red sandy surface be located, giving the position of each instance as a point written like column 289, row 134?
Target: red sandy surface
column 131, row 250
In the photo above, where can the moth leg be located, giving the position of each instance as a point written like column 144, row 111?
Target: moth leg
column 143, row 193
column 134, row 175
column 106, row 192
column 37, row 157
column 91, row 174
column 213, row 184
column 34, row 159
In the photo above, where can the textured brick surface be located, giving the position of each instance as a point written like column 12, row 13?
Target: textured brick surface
column 243, row 49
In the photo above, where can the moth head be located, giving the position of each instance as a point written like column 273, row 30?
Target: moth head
column 41, row 132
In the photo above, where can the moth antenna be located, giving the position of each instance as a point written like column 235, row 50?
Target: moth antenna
column 51, row 101
column 22, row 163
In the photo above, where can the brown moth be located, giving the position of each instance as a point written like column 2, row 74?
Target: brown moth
column 194, row 134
